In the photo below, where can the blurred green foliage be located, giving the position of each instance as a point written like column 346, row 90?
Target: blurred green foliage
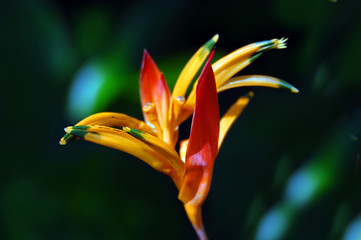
column 290, row 167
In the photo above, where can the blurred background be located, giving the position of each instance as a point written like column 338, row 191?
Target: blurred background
column 290, row 168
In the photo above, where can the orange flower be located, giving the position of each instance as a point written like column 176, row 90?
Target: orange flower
column 154, row 140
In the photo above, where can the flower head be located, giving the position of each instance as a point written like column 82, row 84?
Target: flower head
column 154, row 139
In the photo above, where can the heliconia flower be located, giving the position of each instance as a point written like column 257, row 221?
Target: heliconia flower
column 154, row 140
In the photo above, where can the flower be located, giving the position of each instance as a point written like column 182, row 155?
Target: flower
column 154, row 139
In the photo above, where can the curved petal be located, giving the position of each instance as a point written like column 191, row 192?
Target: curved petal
column 185, row 78
column 231, row 64
column 160, row 146
column 149, row 77
column 256, row 80
column 111, row 119
column 192, row 67
column 186, row 109
column 202, row 149
column 231, row 115
column 121, row 140
column 154, row 89
column 234, row 62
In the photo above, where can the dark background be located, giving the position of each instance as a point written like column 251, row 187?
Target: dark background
column 290, row 167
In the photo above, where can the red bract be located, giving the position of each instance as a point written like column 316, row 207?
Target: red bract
column 202, row 149
column 154, row 90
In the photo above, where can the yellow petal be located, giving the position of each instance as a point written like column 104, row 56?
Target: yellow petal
column 111, row 119
column 185, row 78
column 228, row 66
column 231, row 64
column 121, row 140
column 256, row 80
column 192, row 67
column 231, row 115
column 160, row 146
column 118, row 120
column 176, row 108
column 183, row 149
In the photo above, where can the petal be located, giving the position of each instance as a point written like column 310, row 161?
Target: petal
column 160, row 146
column 185, row 78
column 202, row 149
column 203, row 142
column 149, row 77
column 151, row 114
column 154, row 89
column 231, row 115
column 192, row 67
column 234, row 62
column 121, row 140
column 161, row 97
column 183, row 145
column 111, row 119
column 186, row 109
column 256, row 80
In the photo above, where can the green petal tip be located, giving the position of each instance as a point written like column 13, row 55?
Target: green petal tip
column 68, row 130
column 209, row 45
column 134, row 132
column 79, row 131
column 294, row 90
column 63, row 140
column 288, row 86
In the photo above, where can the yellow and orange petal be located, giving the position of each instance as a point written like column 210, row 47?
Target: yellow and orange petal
column 231, row 115
column 123, row 141
column 111, row 119
column 256, row 81
column 231, row 64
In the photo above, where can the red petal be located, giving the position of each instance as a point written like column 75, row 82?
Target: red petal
column 153, row 87
column 161, row 98
column 202, row 147
column 149, row 76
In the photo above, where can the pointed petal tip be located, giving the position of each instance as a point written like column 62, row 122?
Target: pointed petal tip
column 286, row 85
column 68, row 129
column 215, row 37
column 62, row 141
column 194, row 214
column 66, row 138
column 209, row 45
column 127, row 129
column 146, row 56
column 294, row 90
